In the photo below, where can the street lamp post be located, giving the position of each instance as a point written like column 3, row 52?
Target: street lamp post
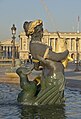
column 77, row 55
column 13, row 29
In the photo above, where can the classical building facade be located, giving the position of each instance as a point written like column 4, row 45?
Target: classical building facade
column 6, row 49
column 49, row 38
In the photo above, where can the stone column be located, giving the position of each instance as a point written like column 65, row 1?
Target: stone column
column 20, row 43
column 10, row 54
column 73, row 44
column 52, row 43
column 80, row 48
column 68, row 40
column 6, row 51
column 70, row 44
column 56, row 42
column 3, row 51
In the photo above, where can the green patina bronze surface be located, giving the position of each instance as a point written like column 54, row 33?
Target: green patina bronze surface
column 50, row 91
column 51, row 88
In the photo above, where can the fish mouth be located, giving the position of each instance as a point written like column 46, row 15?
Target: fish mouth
column 24, row 70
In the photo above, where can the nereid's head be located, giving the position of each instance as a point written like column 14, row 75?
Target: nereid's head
column 33, row 27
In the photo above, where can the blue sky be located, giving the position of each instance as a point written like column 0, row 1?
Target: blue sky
column 57, row 15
